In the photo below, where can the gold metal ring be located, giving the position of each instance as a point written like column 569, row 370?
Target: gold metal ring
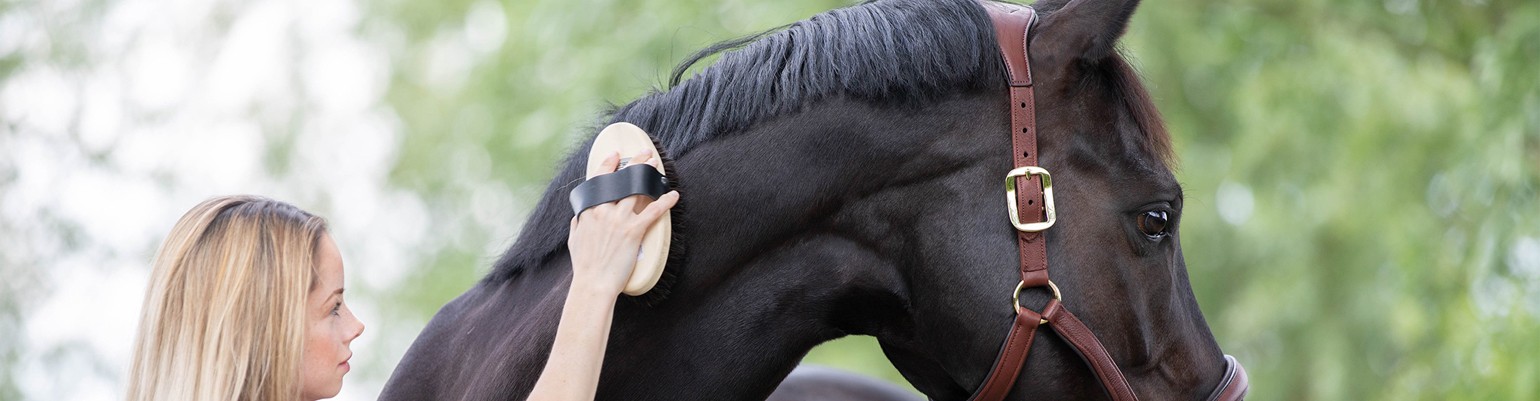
column 1016, row 297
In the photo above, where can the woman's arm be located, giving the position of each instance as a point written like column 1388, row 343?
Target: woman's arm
column 604, row 241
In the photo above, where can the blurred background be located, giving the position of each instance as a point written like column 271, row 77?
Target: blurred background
column 1362, row 177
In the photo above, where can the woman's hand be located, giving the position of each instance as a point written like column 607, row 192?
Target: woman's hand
column 604, row 240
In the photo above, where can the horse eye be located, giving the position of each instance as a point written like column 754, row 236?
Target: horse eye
column 1153, row 223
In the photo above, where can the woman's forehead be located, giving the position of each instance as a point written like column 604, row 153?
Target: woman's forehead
column 328, row 265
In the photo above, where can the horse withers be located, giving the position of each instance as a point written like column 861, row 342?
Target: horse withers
column 842, row 176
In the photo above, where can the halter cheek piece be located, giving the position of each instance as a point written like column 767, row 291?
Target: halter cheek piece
column 1035, row 198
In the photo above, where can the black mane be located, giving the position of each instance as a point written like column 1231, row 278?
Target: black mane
column 899, row 53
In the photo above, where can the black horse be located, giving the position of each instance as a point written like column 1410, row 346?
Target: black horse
column 843, row 176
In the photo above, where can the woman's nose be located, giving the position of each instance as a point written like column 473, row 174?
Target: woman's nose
column 357, row 331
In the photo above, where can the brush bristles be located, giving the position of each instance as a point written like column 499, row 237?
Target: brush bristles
column 676, row 248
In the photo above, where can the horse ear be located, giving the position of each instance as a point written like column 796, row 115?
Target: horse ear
column 1083, row 30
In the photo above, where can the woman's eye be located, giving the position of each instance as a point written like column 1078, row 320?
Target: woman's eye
column 1153, row 224
column 336, row 308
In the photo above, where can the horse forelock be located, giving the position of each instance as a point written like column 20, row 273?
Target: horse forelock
column 904, row 53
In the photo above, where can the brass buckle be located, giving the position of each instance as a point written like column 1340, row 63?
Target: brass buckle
column 1016, row 297
column 1010, row 198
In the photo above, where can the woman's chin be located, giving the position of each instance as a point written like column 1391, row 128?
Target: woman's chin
column 321, row 394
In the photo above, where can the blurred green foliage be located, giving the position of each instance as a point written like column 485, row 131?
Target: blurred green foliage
column 1392, row 151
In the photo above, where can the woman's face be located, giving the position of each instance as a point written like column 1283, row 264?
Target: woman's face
column 330, row 327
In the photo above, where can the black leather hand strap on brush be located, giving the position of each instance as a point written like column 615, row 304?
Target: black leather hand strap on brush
column 637, row 179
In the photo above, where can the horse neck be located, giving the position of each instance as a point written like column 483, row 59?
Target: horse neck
column 776, row 263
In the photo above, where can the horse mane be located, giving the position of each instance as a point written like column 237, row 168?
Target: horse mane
column 892, row 52
column 901, row 53
column 895, row 53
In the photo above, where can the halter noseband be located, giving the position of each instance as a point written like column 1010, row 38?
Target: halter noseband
column 1012, row 23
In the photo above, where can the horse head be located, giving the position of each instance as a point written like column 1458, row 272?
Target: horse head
column 1115, row 249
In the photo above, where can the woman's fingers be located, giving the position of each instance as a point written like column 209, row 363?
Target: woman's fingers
column 641, row 157
column 628, row 203
column 610, row 163
column 658, row 208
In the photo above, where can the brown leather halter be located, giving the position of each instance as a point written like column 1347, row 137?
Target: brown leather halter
column 1012, row 25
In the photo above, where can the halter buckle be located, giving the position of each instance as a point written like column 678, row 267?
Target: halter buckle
column 1010, row 198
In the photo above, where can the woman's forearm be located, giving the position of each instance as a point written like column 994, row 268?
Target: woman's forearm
column 572, row 371
column 604, row 241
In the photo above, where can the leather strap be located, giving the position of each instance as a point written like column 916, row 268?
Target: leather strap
column 1090, row 350
column 638, row 179
column 1235, row 383
column 1012, row 23
column 1008, row 365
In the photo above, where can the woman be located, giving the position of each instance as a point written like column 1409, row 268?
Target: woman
column 245, row 303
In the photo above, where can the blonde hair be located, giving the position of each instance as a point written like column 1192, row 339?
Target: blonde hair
column 224, row 317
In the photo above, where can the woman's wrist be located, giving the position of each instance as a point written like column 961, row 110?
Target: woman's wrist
column 589, row 288
column 602, row 280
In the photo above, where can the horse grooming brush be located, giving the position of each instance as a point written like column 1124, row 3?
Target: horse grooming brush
column 629, row 180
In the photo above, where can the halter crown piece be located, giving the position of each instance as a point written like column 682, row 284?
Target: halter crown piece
column 1035, row 199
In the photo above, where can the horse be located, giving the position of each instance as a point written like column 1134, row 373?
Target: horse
column 841, row 176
